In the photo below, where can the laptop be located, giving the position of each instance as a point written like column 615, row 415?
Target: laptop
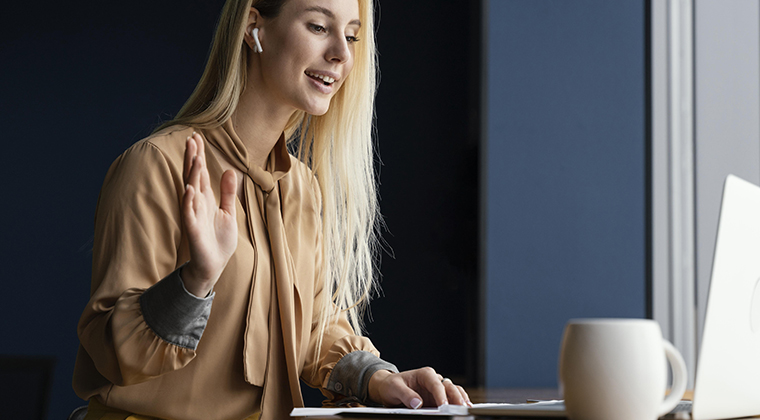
column 728, row 371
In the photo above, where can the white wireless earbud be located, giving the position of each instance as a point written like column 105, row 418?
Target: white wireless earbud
column 257, row 48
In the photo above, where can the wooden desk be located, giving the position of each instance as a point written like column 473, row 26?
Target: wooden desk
column 482, row 395
column 511, row 395
column 478, row 395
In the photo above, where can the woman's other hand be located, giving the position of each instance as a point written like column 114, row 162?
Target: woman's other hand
column 415, row 388
column 211, row 230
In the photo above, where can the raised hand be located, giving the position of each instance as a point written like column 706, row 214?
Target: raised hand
column 211, row 230
column 415, row 388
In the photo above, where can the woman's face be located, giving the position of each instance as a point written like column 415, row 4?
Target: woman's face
column 308, row 52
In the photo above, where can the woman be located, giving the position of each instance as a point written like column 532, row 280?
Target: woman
column 225, row 269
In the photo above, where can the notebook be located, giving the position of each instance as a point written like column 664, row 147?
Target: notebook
column 728, row 371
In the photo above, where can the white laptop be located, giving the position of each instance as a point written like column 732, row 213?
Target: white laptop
column 728, row 371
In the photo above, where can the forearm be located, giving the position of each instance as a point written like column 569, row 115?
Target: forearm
column 173, row 313
column 143, row 333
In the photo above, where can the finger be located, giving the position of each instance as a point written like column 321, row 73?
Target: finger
column 194, row 178
column 429, row 380
column 464, row 395
column 199, row 141
column 228, row 185
column 452, row 392
column 187, row 206
column 407, row 396
column 205, row 181
column 190, row 150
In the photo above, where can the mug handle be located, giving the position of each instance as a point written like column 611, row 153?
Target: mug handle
column 679, row 379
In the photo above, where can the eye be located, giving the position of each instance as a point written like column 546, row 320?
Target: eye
column 317, row 28
column 352, row 39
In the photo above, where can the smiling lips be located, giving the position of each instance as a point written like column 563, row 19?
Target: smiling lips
column 327, row 80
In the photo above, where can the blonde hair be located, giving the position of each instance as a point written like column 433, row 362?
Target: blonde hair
column 337, row 146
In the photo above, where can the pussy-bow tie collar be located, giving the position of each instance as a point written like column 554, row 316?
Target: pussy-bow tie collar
column 275, row 369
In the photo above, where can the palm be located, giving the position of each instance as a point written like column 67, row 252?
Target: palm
column 211, row 230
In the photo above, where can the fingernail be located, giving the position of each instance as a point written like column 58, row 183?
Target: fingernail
column 416, row 403
column 193, row 132
column 445, row 402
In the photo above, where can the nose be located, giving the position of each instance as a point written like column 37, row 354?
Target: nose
column 339, row 51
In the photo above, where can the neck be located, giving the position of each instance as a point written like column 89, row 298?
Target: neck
column 259, row 124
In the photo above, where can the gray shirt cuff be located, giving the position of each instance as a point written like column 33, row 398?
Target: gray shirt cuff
column 174, row 314
column 350, row 376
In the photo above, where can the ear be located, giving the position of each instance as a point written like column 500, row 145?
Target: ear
column 254, row 21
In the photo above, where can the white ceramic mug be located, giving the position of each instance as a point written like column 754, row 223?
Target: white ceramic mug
column 616, row 369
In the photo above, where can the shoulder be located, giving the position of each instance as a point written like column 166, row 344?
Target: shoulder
column 301, row 173
column 170, row 141
column 149, row 166
column 162, row 149
column 300, row 169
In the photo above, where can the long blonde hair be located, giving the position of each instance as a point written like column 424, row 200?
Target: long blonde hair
column 337, row 146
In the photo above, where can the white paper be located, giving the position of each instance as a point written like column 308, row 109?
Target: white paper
column 538, row 405
column 444, row 410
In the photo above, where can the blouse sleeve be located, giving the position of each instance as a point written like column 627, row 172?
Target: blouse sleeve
column 140, row 322
column 346, row 360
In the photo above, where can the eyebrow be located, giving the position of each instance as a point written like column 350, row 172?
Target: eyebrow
column 327, row 12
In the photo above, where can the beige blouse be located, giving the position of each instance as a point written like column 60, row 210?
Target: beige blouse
column 260, row 335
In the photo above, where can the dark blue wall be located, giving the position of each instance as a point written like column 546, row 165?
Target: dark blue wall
column 566, row 176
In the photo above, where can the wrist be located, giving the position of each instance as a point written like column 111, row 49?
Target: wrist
column 194, row 283
column 373, row 391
